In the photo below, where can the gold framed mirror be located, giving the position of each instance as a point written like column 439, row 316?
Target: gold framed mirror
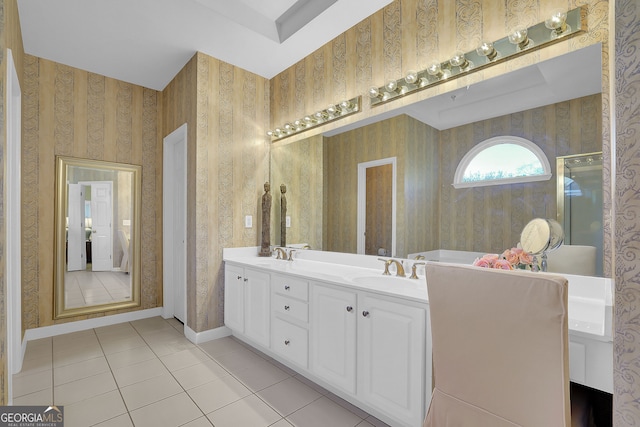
column 97, row 236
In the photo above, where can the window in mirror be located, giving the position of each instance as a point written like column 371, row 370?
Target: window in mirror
column 502, row 160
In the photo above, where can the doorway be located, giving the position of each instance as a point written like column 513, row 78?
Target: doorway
column 377, row 207
column 13, row 266
column 174, row 224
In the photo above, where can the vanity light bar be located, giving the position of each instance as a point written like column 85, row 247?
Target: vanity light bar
column 559, row 26
column 329, row 114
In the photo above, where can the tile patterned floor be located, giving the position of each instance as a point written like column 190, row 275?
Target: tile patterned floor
column 146, row 373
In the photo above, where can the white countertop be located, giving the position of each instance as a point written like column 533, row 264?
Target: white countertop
column 590, row 298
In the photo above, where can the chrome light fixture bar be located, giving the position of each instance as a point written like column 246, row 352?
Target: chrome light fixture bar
column 331, row 113
column 559, row 26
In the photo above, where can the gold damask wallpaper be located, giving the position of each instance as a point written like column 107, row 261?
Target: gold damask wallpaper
column 71, row 112
column 626, row 344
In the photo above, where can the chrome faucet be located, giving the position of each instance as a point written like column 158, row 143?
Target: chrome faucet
column 280, row 253
column 291, row 255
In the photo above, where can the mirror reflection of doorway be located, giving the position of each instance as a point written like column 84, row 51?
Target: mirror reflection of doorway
column 580, row 201
column 94, row 276
column 377, row 207
column 378, row 210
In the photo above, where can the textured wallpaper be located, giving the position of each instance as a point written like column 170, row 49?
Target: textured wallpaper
column 627, row 216
column 71, row 112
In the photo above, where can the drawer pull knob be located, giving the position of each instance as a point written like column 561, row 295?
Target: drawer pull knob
column 365, row 313
column 239, row 277
column 246, row 280
column 349, row 308
column 286, row 342
column 286, row 307
column 287, row 287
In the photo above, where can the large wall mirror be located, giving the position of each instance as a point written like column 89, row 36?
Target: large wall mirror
column 557, row 104
column 97, row 237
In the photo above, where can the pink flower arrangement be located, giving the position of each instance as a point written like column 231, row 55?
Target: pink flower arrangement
column 510, row 259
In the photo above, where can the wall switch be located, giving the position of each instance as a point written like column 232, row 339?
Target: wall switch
column 288, row 221
column 248, row 221
column 126, row 222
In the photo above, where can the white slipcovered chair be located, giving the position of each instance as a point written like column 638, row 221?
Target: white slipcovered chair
column 500, row 348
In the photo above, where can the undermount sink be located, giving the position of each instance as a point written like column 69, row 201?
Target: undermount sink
column 383, row 280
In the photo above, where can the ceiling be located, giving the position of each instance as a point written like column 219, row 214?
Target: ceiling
column 147, row 42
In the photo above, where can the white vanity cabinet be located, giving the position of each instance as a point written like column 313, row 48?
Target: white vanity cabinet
column 333, row 336
column 247, row 303
column 372, row 347
column 290, row 317
column 391, row 356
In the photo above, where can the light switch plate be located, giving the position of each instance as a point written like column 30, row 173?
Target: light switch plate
column 288, row 221
column 248, row 221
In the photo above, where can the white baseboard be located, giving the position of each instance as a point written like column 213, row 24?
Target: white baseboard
column 82, row 325
column 211, row 334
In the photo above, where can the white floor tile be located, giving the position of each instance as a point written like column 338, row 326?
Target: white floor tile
column 83, row 389
column 136, row 374
column 201, row 373
column 94, row 410
column 288, row 396
column 150, row 391
column 324, row 412
column 250, row 411
column 173, row 411
column 132, row 374
column 130, row 357
column 86, row 368
column 218, row 393
column 31, row 383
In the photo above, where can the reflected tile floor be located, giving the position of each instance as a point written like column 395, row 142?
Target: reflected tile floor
column 146, row 373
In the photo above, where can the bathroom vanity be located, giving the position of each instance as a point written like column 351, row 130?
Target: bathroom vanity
column 335, row 319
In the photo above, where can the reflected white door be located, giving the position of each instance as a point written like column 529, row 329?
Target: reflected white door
column 76, row 249
column 101, row 228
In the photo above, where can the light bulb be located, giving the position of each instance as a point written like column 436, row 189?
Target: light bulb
column 412, row 77
column 459, row 60
column 345, row 106
column 487, row 49
column 434, row 69
column 331, row 109
column 374, row 92
column 557, row 23
column 391, row 85
column 519, row 36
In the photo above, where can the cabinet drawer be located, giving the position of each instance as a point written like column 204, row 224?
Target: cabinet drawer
column 289, row 341
column 291, row 286
column 290, row 307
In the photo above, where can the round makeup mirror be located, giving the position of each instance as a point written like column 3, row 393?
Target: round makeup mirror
column 535, row 236
column 540, row 236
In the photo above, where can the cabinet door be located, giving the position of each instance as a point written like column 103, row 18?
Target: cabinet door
column 234, row 298
column 391, row 337
column 257, row 308
column 332, row 331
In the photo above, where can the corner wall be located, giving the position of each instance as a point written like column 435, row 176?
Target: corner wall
column 227, row 111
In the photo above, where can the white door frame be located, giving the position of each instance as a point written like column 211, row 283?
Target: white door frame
column 362, row 201
column 170, row 142
column 13, row 266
